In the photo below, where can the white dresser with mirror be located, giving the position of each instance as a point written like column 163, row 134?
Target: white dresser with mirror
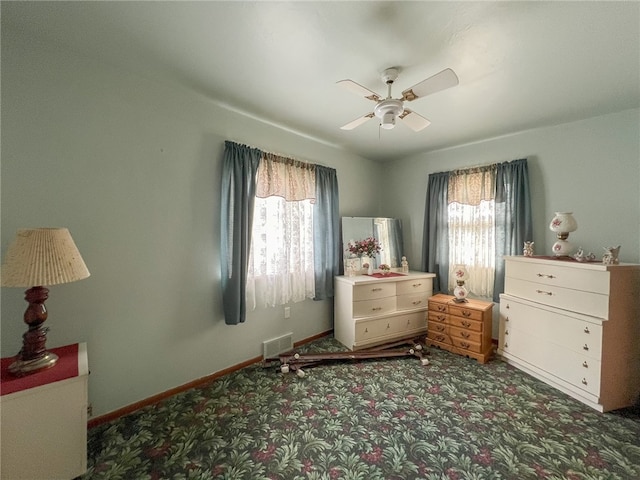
column 371, row 311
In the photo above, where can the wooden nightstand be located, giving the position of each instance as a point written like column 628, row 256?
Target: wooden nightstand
column 44, row 418
column 462, row 328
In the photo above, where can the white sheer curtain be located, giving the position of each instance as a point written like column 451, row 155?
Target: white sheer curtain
column 281, row 259
column 471, row 212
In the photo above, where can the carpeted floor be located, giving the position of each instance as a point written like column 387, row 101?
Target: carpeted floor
column 374, row 419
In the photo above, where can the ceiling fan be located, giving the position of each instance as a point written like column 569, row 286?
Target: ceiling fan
column 388, row 109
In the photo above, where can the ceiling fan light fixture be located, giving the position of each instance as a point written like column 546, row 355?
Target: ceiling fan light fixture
column 387, row 111
column 388, row 121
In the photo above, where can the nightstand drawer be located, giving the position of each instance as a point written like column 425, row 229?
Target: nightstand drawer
column 466, row 345
column 465, row 323
column 439, row 337
column 463, row 312
column 439, row 327
column 437, row 317
column 438, row 307
column 466, row 334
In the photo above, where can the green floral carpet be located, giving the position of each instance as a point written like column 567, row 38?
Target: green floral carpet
column 368, row 420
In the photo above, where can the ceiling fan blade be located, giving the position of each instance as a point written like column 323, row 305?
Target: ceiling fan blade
column 445, row 79
column 357, row 122
column 359, row 90
column 413, row 120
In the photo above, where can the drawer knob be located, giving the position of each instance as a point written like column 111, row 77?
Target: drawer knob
column 417, row 302
column 388, row 325
column 545, row 275
column 441, row 308
column 544, row 292
column 585, row 364
column 506, row 319
column 466, row 313
column 586, row 330
column 366, row 330
column 417, row 284
column 586, row 347
column 584, row 381
column 507, row 307
column 440, row 328
column 465, row 324
column 506, row 332
column 375, row 309
column 376, row 289
column 464, row 345
column 465, row 334
column 506, row 345
column 440, row 338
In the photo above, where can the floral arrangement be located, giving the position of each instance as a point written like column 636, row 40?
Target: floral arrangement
column 369, row 247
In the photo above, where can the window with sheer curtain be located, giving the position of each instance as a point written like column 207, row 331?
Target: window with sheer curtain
column 281, row 257
column 476, row 216
column 471, row 212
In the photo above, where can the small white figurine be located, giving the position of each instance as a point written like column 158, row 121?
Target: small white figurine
column 405, row 265
column 528, row 249
column 610, row 256
column 581, row 257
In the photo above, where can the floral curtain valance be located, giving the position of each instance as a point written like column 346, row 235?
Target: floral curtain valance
column 287, row 178
column 472, row 185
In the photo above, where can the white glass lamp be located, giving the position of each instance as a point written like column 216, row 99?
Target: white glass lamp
column 37, row 257
column 460, row 291
column 562, row 224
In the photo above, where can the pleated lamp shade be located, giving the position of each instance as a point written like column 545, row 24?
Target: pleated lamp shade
column 42, row 256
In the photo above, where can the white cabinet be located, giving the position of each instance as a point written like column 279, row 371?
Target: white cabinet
column 372, row 311
column 44, row 419
column 575, row 326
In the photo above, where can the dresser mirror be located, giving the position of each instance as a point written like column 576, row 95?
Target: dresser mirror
column 388, row 231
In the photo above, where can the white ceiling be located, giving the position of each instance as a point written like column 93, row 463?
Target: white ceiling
column 521, row 65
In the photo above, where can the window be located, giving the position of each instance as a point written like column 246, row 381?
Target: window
column 281, row 266
column 475, row 217
column 281, row 258
column 471, row 242
column 312, row 193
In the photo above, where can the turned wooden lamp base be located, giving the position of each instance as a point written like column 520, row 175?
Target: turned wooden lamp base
column 34, row 356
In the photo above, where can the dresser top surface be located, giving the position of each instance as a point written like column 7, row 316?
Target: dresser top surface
column 364, row 279
column 470, row 303
column 572, row 263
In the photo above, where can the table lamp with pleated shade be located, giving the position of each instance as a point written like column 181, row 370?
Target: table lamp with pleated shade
column 39, row 257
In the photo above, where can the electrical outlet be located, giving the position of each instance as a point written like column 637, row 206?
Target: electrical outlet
column 287, row 312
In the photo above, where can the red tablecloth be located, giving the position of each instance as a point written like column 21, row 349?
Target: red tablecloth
column 66, row 367
column 382, row 275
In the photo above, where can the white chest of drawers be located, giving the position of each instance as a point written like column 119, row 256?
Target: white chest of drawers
column 575, row 326
column 372, row 311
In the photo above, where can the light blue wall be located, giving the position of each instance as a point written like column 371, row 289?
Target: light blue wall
column 131, row 167
column 590, row 167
